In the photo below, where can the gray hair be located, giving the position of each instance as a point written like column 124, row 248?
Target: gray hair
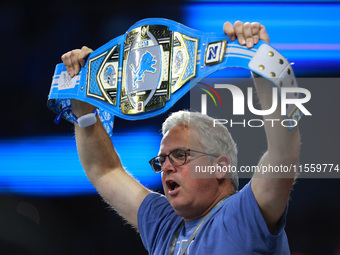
column 215, row 140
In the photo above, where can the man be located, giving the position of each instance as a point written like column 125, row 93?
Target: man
column 250, row 221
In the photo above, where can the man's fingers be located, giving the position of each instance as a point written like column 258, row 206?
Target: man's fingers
column 228, row 29
column 83, row 54
column 255, row 29
column 238, row 26
column 74, row 59
column 263, row 34
column 75, row 65
column 70, row 61
column 248, row 34
column 66, row 59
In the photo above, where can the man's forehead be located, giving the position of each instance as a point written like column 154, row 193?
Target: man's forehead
column 179, row 137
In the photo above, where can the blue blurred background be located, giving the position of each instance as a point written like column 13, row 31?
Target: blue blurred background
column 47, row 204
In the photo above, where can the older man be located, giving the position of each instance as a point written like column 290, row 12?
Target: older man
column 196, row 215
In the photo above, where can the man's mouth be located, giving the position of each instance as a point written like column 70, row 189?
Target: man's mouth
column 172, row 187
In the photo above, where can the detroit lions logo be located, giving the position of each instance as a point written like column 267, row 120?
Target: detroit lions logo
column 145, row 65
column 109, row 74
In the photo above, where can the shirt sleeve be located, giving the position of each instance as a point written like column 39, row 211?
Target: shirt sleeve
column 245, row 223
column 156, row 219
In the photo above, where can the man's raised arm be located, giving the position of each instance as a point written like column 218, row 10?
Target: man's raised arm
column 271, row 191
column 98, row 156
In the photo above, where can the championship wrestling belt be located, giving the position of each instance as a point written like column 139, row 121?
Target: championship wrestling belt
column 144, row 72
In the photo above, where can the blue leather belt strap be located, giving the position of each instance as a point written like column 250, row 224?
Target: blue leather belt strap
column 146, row 71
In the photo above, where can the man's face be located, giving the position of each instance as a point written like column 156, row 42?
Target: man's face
column 188, row 196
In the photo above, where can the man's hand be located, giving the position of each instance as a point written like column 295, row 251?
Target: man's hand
column 247, row 33
column 74, row 59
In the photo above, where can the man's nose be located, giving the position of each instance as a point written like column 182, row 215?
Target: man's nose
column 167, row 165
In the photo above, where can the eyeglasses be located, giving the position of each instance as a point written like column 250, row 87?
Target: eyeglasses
column 177, row 157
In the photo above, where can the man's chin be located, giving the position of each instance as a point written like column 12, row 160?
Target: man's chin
column 179, row 205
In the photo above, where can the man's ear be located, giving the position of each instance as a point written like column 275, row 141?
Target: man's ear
column 222, row 167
